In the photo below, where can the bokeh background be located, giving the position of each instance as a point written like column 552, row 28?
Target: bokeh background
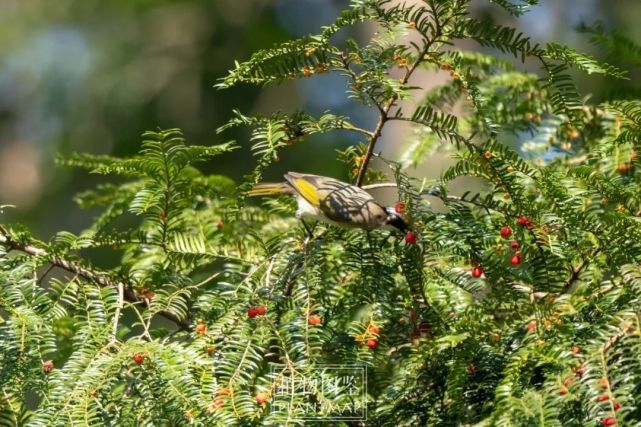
column 92, row 75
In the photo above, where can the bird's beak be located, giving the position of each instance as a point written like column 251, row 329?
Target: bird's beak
column 397, row 222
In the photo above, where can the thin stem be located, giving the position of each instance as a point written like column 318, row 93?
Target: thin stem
column 356, row 129
column 384, row 110
column 380, row 185
column 121, row 297
column 577, row 271
column 97, row 277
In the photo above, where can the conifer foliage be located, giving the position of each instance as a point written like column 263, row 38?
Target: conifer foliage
column 515, row 304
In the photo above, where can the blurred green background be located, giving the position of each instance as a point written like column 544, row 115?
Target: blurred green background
column 92, row 75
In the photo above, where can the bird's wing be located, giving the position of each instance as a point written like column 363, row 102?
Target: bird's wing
column 305, row 185
column 339, row 201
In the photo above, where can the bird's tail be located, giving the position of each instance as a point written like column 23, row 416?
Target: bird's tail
column 270, row 189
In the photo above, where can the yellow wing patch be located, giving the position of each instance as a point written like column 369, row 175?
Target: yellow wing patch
column 308, row 191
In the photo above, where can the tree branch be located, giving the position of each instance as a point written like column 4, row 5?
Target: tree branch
column 379, row 185
column 576, row 271
column 100, row 278
column 384, row 110
column 356, row 129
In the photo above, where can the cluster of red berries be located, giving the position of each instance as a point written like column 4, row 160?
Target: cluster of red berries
column 505, row 233
column 410, row 236
column 605, row 397
column 256, row 311
column 566, row 384
column 369, row 338
column 218, row 401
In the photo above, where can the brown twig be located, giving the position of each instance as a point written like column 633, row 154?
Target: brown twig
column 578, row 269
column 380, row 185
column 100, row 278
column 385, row 109
column 383, row 118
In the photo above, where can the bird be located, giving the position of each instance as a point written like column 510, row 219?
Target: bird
column 332, row 201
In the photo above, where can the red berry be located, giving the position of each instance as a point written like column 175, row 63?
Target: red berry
column 314, row 320
column 506, row 231
column 222, row 392
column 139, row 358
column 424, row 327
column 471, row 368
column 215, row 405
column 576, row 349
column 568, row 381
column 372, row 343
column 563, row 391
column 531, row 326
column 399, row 208
column 617, row 406
column 261, row 310
column 515, row 260
column 477, row 271
column 515, row 245
column 609, row 421
column 47, row 366
column 201, row 329
column 252, row 312
column 623, row 167
column 603, row 398
column 146, row 293
column 525, row 222
column 374, row 329
column 261, row 398
column 410, row 238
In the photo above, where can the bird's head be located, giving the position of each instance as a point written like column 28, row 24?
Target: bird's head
column 394, row 219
